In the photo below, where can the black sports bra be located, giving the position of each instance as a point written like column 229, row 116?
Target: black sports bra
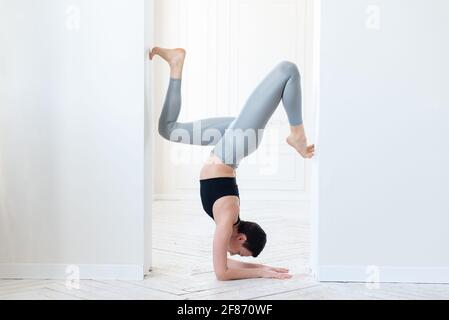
column 213, row 189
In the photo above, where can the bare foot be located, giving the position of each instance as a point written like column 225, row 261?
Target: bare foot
column 174, row 57
column 298, row 140
column 300, row 145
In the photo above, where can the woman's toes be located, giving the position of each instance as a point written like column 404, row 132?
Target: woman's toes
column 153, row 52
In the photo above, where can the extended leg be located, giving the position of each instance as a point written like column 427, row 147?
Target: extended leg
column 202, row 132
column 245, row 133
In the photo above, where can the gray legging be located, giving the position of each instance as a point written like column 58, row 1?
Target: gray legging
column 236, row 138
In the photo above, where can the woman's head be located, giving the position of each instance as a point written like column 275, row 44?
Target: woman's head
column 249, row 240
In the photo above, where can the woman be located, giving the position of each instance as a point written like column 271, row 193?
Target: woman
column 234, row 139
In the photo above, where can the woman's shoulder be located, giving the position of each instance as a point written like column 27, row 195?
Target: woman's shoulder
column 227, row 208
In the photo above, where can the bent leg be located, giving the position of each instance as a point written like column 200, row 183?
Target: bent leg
column 244, row 134
column 202, row 132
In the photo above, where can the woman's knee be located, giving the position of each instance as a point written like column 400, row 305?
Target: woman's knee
column 165, row 129
column 175, row 132
column 289, row 68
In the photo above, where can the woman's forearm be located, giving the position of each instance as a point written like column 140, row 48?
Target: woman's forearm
column 240, row 274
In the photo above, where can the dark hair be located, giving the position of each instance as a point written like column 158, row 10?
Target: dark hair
column 256, row 238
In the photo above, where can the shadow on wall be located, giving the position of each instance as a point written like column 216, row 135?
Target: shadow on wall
column 5, row 223
column 5, row 219
column 31, row 127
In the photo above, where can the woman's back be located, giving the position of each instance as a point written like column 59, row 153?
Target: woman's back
column 215, row 168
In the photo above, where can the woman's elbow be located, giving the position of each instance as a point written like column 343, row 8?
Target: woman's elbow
column 164, row 131
column 222, row 276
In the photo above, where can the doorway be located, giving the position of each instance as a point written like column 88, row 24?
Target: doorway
column 230, row 46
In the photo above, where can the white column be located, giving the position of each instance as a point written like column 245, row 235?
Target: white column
column 71, row 138
column 383, row 148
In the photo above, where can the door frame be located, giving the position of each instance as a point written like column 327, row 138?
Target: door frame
column 312, row 65
column 149, row 138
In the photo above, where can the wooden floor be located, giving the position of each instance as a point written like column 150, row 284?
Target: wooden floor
column 183, row 268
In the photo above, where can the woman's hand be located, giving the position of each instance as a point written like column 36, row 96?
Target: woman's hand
column 276, row 273
column 278, row 270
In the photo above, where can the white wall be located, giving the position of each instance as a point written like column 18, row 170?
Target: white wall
column 71, row 138
column 383, row 143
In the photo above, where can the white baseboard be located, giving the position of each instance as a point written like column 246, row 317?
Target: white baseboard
column 67, row 271
column 369, row 274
